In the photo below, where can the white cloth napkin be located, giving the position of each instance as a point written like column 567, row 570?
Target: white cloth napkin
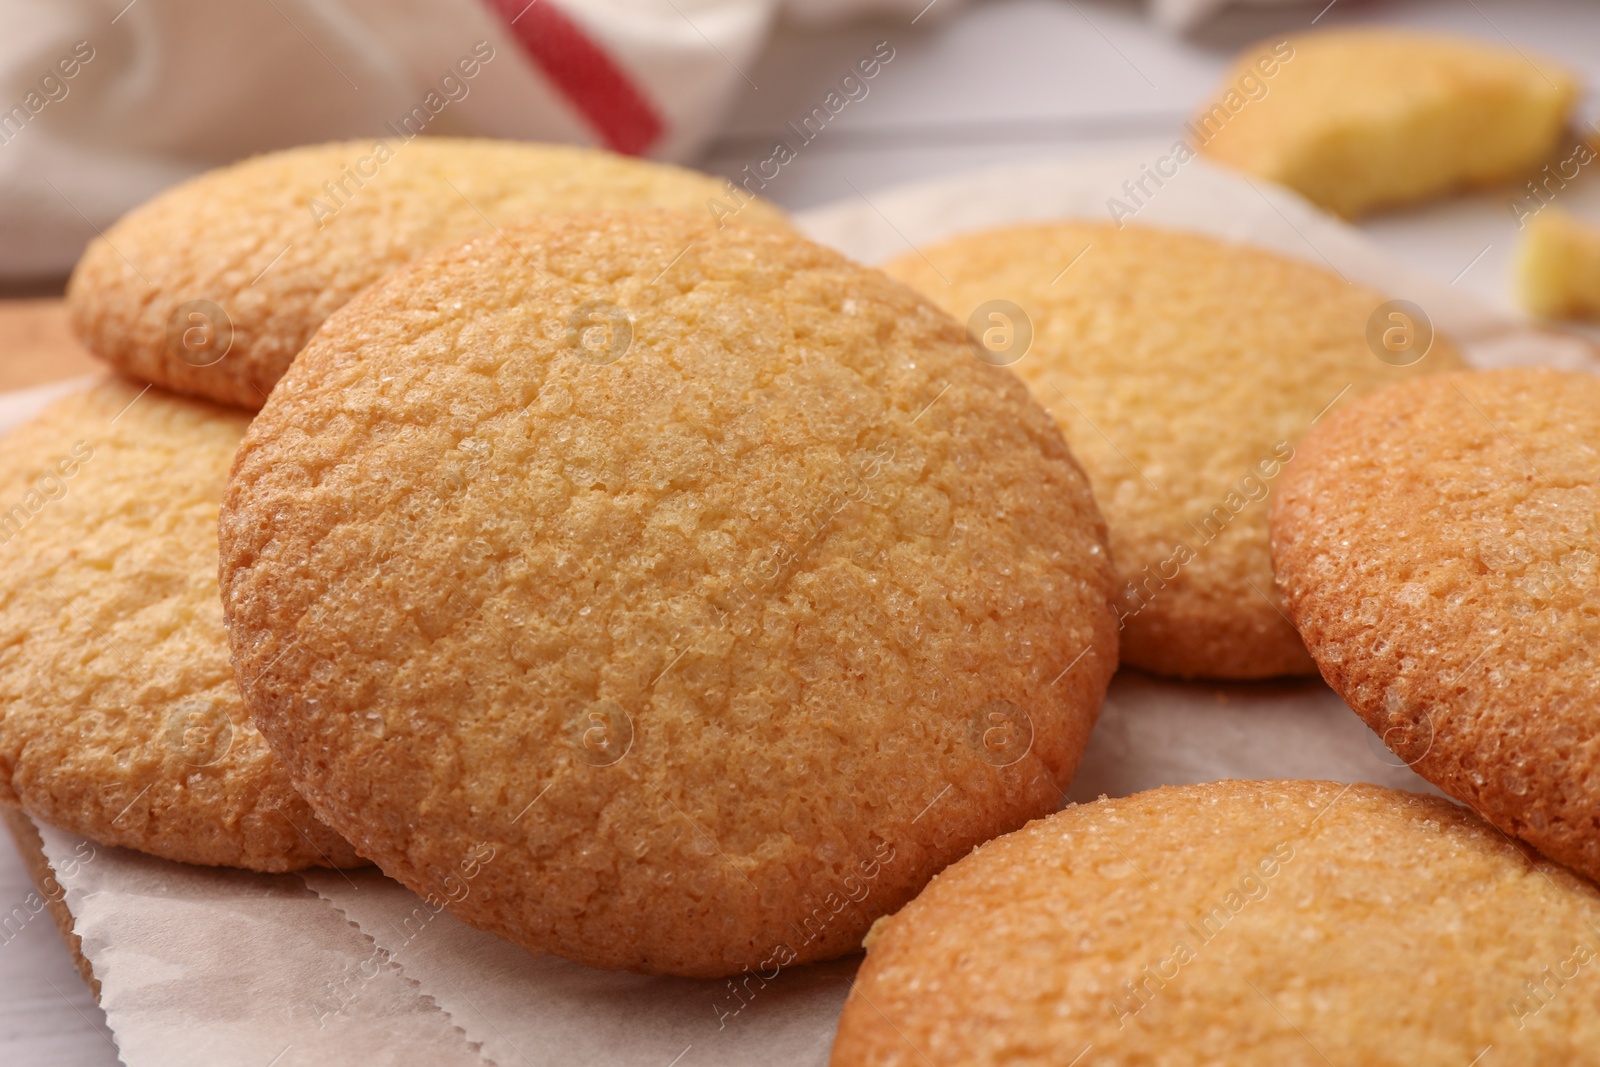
column 103, row 103
column 1181, row 16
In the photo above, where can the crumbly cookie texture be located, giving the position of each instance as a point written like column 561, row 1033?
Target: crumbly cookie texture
column 119, row 716
column 1248, row 923
column 1356, row 120
column 1182, row 370
column 1439, row 547
column 213, row 287
column 661, row 596
column 1558, row 266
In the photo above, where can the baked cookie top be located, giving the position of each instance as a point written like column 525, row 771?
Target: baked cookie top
column 211, row 288
column 1182, row 370
column 1439, row 547
column 1360, row 119
column 1248, row 923
column 702, row 577
column 119, row 716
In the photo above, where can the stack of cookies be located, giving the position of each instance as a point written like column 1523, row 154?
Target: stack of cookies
column 574, row 512
column 696, row 573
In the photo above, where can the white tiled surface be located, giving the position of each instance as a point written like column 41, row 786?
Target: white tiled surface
column 47, row 1016
column 997, row 81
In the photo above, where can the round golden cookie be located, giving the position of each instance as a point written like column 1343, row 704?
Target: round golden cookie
column 1281, row 924
column 119, row 716
column 1182, row 370
column 211, row 288
column 1439, row 547
column 664, row 597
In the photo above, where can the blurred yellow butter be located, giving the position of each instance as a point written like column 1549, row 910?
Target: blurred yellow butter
column 1558, row 266
column 1363, row 119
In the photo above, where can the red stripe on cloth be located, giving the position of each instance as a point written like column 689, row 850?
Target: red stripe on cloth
column 585, row 74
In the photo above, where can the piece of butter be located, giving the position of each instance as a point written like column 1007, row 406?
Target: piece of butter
column 1558, row 266
column 1364, row 119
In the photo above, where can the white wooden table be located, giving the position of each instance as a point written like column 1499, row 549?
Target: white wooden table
column 993, row 82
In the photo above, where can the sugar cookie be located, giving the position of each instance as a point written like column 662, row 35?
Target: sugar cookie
column 212, row 288
column 1245, row 923
column 664, row 597
column 1439, row 547
column 119, row 716
column 1182, row 370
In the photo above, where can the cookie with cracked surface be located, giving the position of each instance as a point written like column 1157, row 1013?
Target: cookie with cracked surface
column 1182, row 370
column 1248, row 923
column 1439, row 547
column 211, row 288
column 119, row 716
column 685, row 597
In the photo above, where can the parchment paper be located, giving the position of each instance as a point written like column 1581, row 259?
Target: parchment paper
column 223, row 967
column 202, row 967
